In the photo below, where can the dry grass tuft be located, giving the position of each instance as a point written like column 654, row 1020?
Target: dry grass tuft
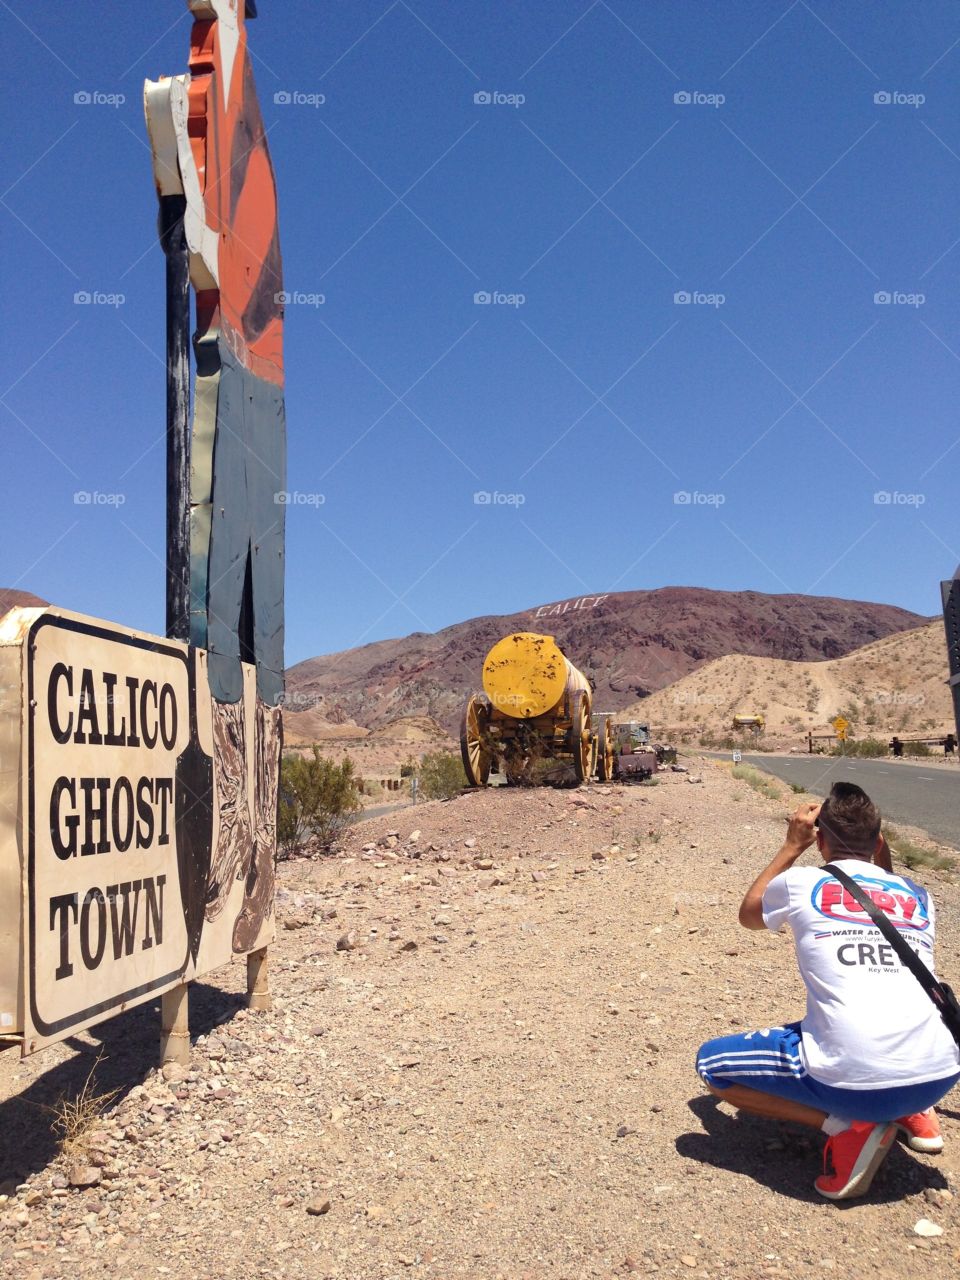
column 75, row 1118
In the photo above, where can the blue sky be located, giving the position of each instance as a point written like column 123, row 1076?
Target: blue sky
column 786, row 168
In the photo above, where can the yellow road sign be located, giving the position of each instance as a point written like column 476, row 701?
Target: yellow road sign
column 841, row 726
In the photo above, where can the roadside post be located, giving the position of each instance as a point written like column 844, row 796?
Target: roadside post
column 840, row 727
column 950, row 593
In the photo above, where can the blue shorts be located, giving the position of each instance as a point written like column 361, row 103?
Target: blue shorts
column 770, row 1061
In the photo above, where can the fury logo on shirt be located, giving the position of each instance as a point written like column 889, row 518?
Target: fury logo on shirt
column 903, row 910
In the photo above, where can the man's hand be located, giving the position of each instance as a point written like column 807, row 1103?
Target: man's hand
column 801, row 834
column 802, row 831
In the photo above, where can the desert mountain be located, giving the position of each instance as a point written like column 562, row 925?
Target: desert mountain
column 11, row 598
column 895, row 685
column 629, row 643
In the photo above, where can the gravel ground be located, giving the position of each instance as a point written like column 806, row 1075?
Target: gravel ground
column 478, row 1064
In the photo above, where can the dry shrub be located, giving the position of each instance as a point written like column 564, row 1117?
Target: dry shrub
column 75, row 1117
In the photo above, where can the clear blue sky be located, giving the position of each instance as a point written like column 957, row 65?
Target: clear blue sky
column 598, row 398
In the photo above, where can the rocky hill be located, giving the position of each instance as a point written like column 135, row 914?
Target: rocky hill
column 11, row 598
column 629, row 643
column 895, row 685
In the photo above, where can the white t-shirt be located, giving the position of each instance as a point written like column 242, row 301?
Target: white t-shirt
column 869, row 1024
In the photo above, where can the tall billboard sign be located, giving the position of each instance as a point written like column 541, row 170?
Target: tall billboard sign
column 139, row 774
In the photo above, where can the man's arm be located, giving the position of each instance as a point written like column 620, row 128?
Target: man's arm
column 882, row 856
column 801, row 834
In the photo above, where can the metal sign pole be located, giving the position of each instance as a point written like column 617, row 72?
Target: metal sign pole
column 174, row 1004
column 950, row 593
column 174, row 242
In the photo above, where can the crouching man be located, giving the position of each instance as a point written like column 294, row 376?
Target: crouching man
column 871, row 1054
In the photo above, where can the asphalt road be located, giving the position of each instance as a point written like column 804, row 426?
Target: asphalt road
column 925, row 798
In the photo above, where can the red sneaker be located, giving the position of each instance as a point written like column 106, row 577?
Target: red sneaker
column 856, row 1155
column 922, row 1132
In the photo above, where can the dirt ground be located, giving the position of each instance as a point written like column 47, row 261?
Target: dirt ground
column 478, row 1064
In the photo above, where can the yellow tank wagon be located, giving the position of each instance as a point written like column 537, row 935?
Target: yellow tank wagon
column 535, row 704
column 754, row 722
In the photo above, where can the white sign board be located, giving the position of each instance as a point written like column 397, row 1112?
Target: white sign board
column 141, row 838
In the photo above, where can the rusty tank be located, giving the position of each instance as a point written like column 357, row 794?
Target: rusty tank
column 535, row 705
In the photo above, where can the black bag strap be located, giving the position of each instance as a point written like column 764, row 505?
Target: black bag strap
column 906, row 953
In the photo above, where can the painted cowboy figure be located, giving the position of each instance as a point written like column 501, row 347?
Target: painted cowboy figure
column 213, row 172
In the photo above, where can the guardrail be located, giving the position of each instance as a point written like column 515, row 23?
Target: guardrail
column 946, row 740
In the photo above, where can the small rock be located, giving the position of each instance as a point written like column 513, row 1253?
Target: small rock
column 687, row 1259
column 484, row 864
column 598, row 855
column 409, row 945
column 470, row 843
column 317, row 1207
column 173, row 1073
column 348, row 941
column 414, row 836
column 214, row 1049
column 937, row 1195
column 927, row 1228
column 84, row 1175
column 694, row 778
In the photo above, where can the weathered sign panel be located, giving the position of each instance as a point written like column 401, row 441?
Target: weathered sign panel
column 137, row 821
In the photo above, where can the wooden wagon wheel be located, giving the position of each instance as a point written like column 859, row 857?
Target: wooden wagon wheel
column 605, row 753
column 580, row 735
column 473, row 748
column 594, row 753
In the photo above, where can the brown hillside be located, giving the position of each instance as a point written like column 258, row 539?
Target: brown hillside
column 628, row 643
column 895, row 685
column 11, row 598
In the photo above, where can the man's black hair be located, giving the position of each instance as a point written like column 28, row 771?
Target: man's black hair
column 850, row 821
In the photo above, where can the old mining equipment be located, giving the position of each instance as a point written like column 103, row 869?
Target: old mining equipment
column 535, row 705
column 634, row 757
